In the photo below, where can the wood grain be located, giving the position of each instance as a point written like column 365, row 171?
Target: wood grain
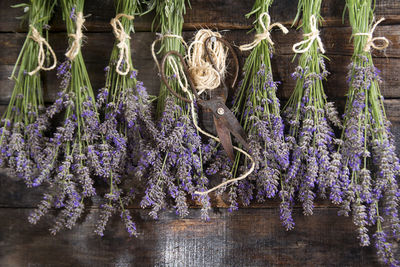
column 220, row 14
column 98, row 47
column 247, row 237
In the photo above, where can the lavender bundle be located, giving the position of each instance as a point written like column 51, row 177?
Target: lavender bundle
column 259, row 108
column 309, row 117
column 70, row 155
column 174, row 158
column 19, row 147
column 368, row 178
column 126, row 107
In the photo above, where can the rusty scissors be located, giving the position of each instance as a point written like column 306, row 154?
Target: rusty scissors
column 224, row 120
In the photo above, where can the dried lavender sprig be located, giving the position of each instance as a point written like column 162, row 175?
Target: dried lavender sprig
column 259, row 110
column 70, row 156
column 173, row 159
column 173, row 163
column 369, row 183
column 19, row 149
column 310, row 118
column 127, row 112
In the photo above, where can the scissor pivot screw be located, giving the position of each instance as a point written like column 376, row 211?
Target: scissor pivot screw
column 220, row 111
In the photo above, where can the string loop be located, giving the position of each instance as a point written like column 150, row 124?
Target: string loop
column 371, row 40
column 42, row 54
column 159, row 39
column 123, row 37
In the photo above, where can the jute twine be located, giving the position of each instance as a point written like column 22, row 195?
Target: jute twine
column 311, row 37
column 159, row 39
column 42, row 54
column 77, row 36
column 123, row 45
column 371, row 40
column 266, row 34
column 202, row 72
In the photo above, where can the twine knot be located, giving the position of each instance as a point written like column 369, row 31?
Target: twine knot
column 371, row 40
column 42, row 54
column 160, row 37
column 77, row 36
column 123, row 45
column 311, row 37
column 266, row 34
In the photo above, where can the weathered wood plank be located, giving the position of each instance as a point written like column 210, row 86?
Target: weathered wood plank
column 96, row 58
column 337, row 42
column 221, row 14
column 283, row 66
column 242, row 238
column 18, row 195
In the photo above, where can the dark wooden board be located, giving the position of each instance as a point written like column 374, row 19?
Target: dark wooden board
column 247, row 237
column 98, row 47
column 221, row 14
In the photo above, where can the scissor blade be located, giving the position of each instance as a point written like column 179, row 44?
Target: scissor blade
column 225, row 137
column 235, row 128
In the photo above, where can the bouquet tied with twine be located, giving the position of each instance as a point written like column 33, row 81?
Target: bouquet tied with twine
column 258, row 107
column 310, row 119
column 172, row 160
column 69, row 156
column 369, row 167
column 20, row 140
column 126, row 111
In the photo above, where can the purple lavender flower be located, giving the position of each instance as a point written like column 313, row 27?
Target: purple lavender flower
column 173, row 163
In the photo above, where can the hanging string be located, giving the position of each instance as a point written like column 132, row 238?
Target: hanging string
column 266, row 34
column 177, row 69
column 42, row 54
column 202, row 72
column 122, row 36
column 159, row 39
column 311, row 37
column 77, row 36
column 371, row 40
column 180, row 75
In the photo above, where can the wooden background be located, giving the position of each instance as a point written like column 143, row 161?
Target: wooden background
column 252, row 236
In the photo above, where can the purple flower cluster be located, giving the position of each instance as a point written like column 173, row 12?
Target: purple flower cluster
column 126, row 112
column 368, row 178
column 258, row 107
column 266, row 136
column 172, row 161
column 18, row 151
column 80, row 143
column 63, row 163
column 15, row 153
column 314, row 163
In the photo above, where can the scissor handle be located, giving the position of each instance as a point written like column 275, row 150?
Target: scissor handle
column 185, row 68
column 231, row 50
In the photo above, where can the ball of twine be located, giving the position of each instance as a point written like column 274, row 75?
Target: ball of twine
column 202, row 72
